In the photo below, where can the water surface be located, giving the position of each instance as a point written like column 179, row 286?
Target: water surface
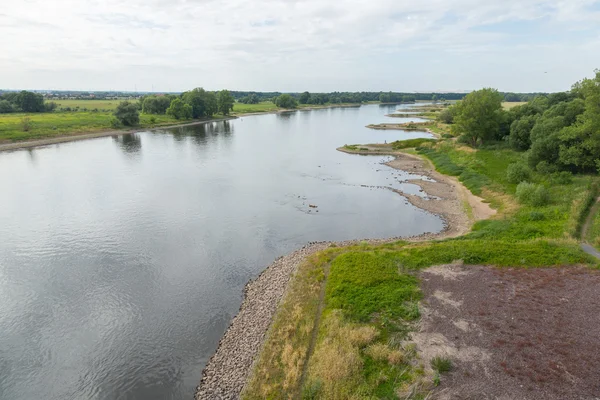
column 123, row 259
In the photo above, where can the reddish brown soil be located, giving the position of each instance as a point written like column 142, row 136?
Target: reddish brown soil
column 513, row 333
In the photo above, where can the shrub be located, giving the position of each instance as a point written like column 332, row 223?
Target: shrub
column 541, row 196
column 517, row 173
column 127, row 113
column 525, row 192
column 532, row 194
column 114, row 122
column 26, row 124
column 544, row 167
column 441, row 364
column 561, row 178
column 153, row 119
column 536, row 216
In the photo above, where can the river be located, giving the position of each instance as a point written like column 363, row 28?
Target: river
column 123, row 259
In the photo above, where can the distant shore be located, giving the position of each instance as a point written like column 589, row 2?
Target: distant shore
column 92, row 135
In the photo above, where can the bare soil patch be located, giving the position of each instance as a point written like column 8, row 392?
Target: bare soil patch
column 513, row 333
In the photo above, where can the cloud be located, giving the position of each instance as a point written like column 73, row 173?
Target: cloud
column 297, row 44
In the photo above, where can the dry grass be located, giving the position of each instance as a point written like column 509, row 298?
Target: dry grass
column 508, row 105
column 378, row 351
column 279, row 368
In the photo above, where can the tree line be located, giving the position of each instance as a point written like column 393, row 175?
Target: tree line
column 558, row 132
column 24, row 101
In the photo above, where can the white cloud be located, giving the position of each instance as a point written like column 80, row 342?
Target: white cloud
column 296, row 44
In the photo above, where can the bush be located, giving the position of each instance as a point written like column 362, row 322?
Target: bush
column 532, row 194
column 26, row 124
column 561, row 178
column 127, row 113
column 517, row 173
column 536, row 216
column 153, row 119
column 544, row 167
column 286, row 101
column 114, row 122
column 441, row 364
column 447, row 115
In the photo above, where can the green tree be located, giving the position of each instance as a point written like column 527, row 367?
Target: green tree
column 580, row 142
column 155, row 104
column 179, row 110
column 304, row 98
column 478, row 116
column 203, row 103
column 520, row 132
column 286, row 101
column 127, row 113
column 29, row 101
column 225, row 102
column 6, row 107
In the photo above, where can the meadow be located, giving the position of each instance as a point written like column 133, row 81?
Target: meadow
column 18, row 127
column 100, row 105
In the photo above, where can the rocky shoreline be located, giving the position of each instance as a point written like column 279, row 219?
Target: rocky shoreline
column 228, row 370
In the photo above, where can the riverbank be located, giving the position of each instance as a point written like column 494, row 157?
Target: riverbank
column 228, row 370
column 84, row 136
column 337, row 330
column 75, row 136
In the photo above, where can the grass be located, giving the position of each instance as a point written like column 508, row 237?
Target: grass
column 410, row 143
column 45, row 125
column 265, row 106
column 371, row 292
column 508, row 105
column 107, row 105
column 441, row 364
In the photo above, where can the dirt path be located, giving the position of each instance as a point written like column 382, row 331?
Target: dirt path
column 512, row 333
column 585, row 246
column 315, row 332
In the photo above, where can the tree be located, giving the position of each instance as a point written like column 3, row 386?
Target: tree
column 203, row 103
column 6, row 107
column 520, row 131
column 447, row 115
column 286, row 101
column 155, row 104
column 478, row 116
column 127, row 113
column 580, row 142
column 29, row 101
column 225, row 102
column 304, row 98
column 179, row 110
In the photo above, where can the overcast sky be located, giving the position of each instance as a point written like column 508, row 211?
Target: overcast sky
column 297, row 45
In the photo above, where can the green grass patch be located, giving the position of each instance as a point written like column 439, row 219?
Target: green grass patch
column 45, row 125
column 264, row 106
column 410, row 143
column 106, row 105
column 364, row 283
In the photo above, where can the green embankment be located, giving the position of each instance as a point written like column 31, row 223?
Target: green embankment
column 370, row 292
column 45, row 125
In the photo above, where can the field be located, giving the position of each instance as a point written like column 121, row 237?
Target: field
column 264, row 106
column 342, row 330
column 508, row 105
column 107, row 105
column 44, row 125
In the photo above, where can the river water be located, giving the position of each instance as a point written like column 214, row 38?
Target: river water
column 123, row 259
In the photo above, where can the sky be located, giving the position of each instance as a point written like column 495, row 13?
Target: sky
column 298, row 45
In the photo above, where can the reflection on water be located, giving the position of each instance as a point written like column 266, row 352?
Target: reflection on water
column 121, row 264
column 130, row 143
